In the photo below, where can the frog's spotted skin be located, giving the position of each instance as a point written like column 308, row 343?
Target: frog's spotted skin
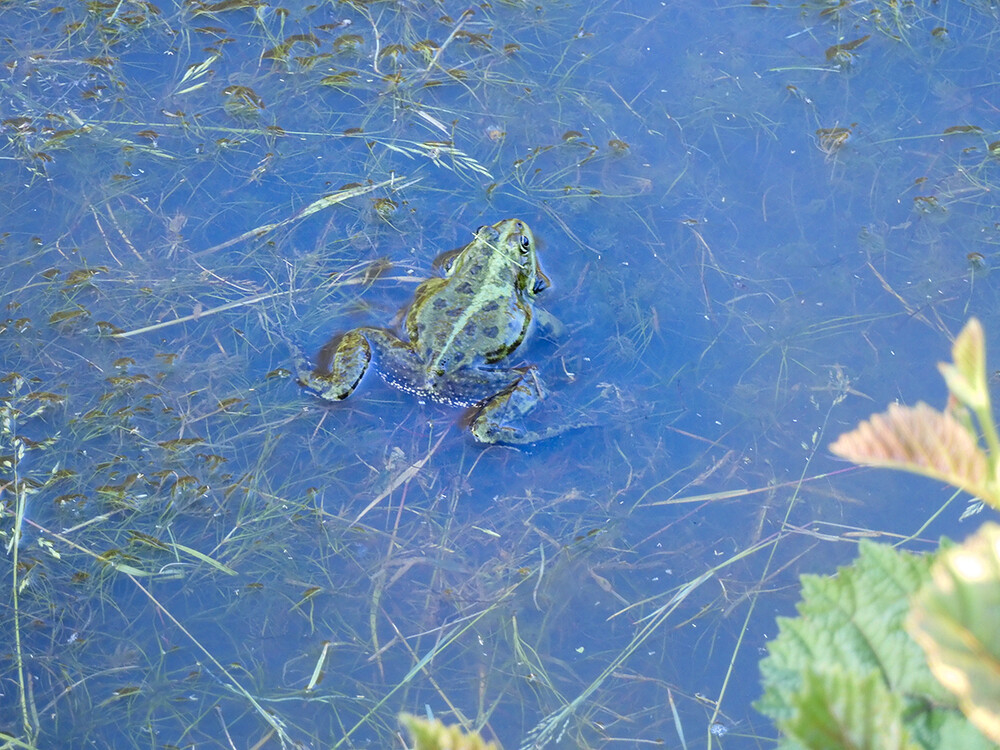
column 459, row 328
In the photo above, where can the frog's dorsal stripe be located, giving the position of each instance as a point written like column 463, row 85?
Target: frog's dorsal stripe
column 501, row 261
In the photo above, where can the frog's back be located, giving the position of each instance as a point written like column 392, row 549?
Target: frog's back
column 464, row 325
column 480, row 312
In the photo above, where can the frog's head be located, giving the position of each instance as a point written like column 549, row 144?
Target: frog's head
column 513, row 240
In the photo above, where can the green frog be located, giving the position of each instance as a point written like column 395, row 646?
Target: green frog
column 459, row 329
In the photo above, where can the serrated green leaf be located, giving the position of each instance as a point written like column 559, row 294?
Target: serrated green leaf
column 851, row 621
column 839, row 709
column 956, row 620
column 850, row 630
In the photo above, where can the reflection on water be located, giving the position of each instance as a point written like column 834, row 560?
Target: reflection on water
column 761, row 224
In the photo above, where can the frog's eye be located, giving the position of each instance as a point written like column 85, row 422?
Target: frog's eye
column 480, row 229
column 525, row 243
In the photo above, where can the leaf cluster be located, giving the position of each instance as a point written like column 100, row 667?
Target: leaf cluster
column 900, row 650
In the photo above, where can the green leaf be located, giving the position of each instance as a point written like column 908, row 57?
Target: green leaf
column 842, row 710
column 431, row 734
column 966, row 378
column 848, row 648
column 853, row 622
column 956, row 620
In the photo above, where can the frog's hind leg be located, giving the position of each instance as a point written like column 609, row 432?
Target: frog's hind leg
column 340, row 366
column 501, row 418
column 507, row 417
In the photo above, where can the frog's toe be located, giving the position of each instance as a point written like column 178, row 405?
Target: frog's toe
column 492, row 432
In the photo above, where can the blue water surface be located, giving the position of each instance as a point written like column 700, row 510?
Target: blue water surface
column 762, row 223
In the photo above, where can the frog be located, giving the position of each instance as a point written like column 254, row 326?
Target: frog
column 460, row 332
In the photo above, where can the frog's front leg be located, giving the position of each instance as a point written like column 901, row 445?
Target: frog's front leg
column 340, row 366
column 501, row 418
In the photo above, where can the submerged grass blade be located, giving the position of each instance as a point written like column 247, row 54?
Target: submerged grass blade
column 446, row 640
column 404, row 477
column 13, row 742
column 197, row 316
column 396, row 183
column 318, row 669
column 204, row 558
column 678, row 727
column 9, row 430
column 552, row 727
column 269, row 717
column 233, row 684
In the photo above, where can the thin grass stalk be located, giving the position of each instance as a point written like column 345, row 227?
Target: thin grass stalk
column 13, row 549
column 770, row 559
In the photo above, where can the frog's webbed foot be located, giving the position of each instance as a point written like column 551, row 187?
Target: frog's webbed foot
column 503, row 417
column 340, row 365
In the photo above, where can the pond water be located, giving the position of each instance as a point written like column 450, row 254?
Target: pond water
column 762, row 223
